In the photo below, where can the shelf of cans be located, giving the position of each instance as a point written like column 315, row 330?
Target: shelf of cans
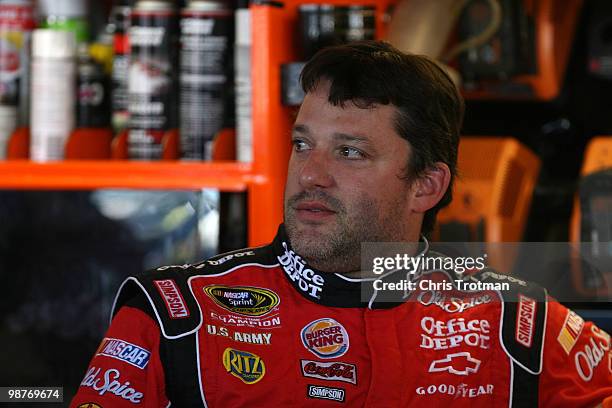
column 102, row 163
column 94, row 159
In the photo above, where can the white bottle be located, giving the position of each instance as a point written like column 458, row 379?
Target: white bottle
column 8, row 123
column 53, row 93
column 244, row 89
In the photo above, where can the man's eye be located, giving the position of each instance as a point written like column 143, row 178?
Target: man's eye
column 299, row 145
column 351, row 152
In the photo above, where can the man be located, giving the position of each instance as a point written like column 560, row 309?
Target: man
column 298, row 323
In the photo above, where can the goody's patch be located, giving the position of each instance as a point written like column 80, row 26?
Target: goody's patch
column 244, row 300
column 328, row 393
column 568, row 336
column 246, row 366
column 325, row 338
column 124, row 351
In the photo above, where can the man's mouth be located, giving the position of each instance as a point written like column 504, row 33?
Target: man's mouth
column 313, row 211
column 313, row 206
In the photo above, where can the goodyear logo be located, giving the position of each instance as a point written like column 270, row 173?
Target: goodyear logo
column 124, row 351
column 325, row 338
column 249, row 367
column 244, row 300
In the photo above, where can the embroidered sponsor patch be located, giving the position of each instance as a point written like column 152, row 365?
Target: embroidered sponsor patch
column 249, row 367
column 592, row 354
column 226, row 258
column 330, row 371
column 306, row 279
column 461, row 363
column 272, row 321
column 241, row 337
column 124, row 351
column 108, row 382
column 177, row 308
column 325, row 338
column 525, row 320
column 244, row 300
column 568, row 336
column 453, row 333
column 453, row 304
column 457, row 391
column 328, row 393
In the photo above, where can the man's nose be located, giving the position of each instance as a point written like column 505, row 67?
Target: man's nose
column 315, row 172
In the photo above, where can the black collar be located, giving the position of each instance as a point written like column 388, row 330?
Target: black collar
column 333, row 289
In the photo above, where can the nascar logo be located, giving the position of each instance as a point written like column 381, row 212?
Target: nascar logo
column 249, row 367
column 325, row 338
column 244, row 300
column 124, row 351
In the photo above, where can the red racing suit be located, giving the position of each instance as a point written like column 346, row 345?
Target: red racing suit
column 260, row 327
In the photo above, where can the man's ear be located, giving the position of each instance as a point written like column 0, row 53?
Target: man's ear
column 429, row 188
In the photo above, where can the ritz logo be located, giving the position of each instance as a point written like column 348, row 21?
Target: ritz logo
column 325, row 338
column 249, row 367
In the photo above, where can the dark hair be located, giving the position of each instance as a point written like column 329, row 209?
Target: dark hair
column 430, row 109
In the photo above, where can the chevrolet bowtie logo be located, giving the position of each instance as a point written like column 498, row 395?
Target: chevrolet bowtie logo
column 458, row 363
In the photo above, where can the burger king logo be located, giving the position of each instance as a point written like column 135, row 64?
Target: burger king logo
column 325, row 338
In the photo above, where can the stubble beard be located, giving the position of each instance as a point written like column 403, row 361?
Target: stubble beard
column 336, row 246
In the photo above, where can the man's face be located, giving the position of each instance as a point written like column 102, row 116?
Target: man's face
column 344, row 181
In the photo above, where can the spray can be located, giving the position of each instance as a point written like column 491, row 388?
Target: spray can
column 8, row 123
column 52, row 93
column 206, row 68
column 152, row 78
column 16, row 25
column 93, row 108
column 65, row 15
column 120, row 19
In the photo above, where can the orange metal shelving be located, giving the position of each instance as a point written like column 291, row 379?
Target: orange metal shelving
column 273, row 44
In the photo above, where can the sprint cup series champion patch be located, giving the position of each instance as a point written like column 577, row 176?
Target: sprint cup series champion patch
column 325, row 338
column 243, row 300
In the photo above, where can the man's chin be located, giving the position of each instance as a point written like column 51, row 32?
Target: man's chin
column 309, row 239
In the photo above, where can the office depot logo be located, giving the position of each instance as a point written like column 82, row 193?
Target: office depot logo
column 306, row 279
column 177, row 308
column 325, row 338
